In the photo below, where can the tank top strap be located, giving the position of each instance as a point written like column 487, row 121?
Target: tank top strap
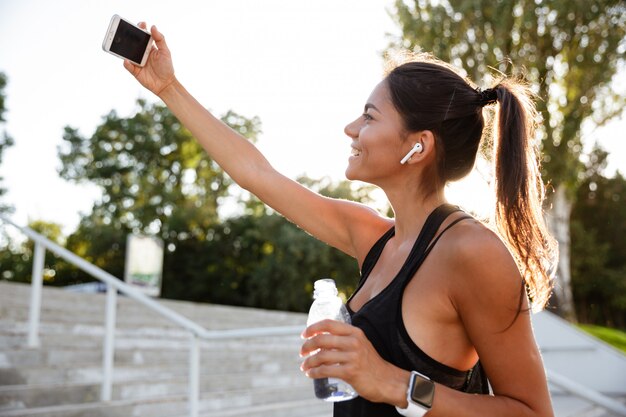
column 427, row 239
column 372, row 256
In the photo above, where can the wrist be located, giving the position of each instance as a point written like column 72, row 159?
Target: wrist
column 397, row 388
column 419, row 396
column 168, row 90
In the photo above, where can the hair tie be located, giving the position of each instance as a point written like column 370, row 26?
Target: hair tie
column 487, row 96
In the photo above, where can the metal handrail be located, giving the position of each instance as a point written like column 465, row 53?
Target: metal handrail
column 196, row 331
column 113, row 286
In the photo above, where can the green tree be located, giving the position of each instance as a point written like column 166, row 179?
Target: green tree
column 570, row 49
column 154, row 177
column 598, row 245
column 8, row 259
column 16, row 260
column 5, row 140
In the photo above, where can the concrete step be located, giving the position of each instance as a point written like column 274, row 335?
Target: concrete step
column 261, row 402
column 152, row 331
column 45, row 395
column 215, row 319
column 302, row 408
column 91, row 307
column 87, row 373
column 242, row 356
column 17, row 340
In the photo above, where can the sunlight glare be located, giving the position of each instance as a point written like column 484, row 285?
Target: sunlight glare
column 473, row 193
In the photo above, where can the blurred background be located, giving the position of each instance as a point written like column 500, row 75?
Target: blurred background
column 88, row 157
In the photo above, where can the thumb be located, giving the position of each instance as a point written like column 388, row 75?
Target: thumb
column 130, row 67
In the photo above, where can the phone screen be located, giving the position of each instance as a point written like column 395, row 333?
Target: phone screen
column 130, row 42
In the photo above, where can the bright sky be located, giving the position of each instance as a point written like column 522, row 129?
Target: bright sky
column 304, row 67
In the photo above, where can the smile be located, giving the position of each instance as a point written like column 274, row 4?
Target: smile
column 355, row 152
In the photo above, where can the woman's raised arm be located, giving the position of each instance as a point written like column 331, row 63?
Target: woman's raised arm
column 333, row 221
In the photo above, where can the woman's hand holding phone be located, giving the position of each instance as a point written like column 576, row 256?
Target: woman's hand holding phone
column 158, row 72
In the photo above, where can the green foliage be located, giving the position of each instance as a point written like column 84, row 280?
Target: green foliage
column 16, row 259
column 570, row 50
column 150, row 170
column 258, row 261
column 5, row 140
column 3, row 84
column 15, row 265
column 155, row 179
column 614, row 337
column 598, row 227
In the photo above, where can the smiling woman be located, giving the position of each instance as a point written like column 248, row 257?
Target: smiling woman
column 442, row 305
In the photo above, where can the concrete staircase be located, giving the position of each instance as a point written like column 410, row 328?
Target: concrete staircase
column 257, row 377
column 247, row 377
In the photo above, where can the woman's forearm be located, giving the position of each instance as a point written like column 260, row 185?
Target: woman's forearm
column 235, row 154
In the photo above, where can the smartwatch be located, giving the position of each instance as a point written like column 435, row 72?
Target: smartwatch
column 419, row 396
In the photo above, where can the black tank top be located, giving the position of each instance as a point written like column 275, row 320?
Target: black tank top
column 381, row 320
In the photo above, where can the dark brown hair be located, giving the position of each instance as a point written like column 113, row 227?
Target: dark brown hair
column 431, row 95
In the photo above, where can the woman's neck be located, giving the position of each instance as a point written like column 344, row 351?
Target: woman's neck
column 411, row 210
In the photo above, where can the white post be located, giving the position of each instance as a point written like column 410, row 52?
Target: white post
column 194, row 375
column 35, row 295
column 109, row 344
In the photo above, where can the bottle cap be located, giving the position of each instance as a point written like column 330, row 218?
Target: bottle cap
column 324, row 286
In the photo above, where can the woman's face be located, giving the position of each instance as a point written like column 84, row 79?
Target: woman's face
column 377, row 145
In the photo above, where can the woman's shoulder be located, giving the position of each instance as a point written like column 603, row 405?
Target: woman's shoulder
column 480, row 258
column 471, row 235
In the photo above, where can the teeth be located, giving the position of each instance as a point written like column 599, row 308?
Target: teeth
column 355, row 152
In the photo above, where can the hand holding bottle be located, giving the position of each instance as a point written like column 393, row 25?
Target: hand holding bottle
column 337, row 351
column 347, row 354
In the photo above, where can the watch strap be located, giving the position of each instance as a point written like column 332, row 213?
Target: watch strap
column 413, row 410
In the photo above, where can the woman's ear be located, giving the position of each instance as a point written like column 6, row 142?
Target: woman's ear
column 423, row 146
column 417, row 148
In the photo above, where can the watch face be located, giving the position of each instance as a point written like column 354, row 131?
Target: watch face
column 422, row 391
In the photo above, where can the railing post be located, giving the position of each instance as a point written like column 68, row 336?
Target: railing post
column 109, row 344
column 194, row 375
column 35, row 295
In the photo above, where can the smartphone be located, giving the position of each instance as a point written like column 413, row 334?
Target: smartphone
column 128, row 41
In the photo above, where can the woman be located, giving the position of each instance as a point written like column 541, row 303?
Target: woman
column 442, row 303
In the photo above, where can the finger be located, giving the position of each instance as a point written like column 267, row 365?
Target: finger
column 324, row 357
column 142, row 25
column 329, row 342
column 324, row 371
column 328, row 326
column 158, row 38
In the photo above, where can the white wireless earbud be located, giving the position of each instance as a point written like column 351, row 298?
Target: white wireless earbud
column 417, row 148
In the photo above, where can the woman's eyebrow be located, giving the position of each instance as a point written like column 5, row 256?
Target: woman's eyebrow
column 371, row 106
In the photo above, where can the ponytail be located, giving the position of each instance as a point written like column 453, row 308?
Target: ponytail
column 520, row 192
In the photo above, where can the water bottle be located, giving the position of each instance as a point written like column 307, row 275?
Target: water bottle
column 328, row 305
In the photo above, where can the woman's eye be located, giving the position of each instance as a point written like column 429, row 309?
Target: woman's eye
column 367, row 116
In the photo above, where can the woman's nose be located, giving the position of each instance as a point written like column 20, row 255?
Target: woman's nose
column 351, row 129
